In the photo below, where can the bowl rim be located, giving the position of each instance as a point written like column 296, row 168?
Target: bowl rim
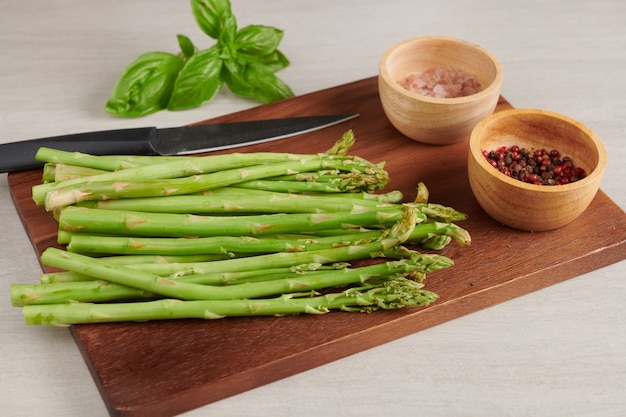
column 476, row 153
column 494, row 86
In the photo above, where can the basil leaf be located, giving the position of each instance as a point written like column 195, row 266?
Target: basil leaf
column 268, row 87
column 258, row 40
column 275, row 61
column 211, row 15
column 250, row 79
column 187, row 47
column 145, row 86
column 198, row 81
column 227, row 36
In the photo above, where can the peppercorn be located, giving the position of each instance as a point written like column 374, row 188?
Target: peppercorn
column 536, row 166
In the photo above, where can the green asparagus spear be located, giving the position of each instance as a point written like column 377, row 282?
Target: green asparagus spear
column 57, row 156
column 249, row 201
column 104, row 163
column 208, row 245
column 184, row 225
column 393, row 294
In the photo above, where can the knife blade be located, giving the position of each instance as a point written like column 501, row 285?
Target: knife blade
column 184, row 140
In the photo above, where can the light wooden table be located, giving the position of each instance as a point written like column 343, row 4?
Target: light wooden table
column 560, row 351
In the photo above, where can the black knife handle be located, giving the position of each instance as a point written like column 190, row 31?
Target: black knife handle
column 18, row 156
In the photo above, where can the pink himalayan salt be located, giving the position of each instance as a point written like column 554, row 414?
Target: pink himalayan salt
column 441, row 82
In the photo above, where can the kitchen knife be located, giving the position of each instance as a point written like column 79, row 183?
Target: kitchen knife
column 17, row 156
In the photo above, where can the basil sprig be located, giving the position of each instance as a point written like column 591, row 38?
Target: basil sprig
column 245, row 59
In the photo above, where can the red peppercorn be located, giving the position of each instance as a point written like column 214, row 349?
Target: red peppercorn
column 532, row 177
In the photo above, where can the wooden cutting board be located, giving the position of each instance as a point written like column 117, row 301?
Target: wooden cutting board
column 166, row 368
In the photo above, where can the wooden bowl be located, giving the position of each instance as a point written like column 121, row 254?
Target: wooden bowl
column 435, row 120
column 526, row 206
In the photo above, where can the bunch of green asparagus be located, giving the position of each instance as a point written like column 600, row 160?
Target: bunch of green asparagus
column 151, row 238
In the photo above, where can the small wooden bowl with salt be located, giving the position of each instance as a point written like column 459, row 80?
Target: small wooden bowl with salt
column 435, row 89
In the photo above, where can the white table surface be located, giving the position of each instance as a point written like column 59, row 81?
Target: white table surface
column 560, row 351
